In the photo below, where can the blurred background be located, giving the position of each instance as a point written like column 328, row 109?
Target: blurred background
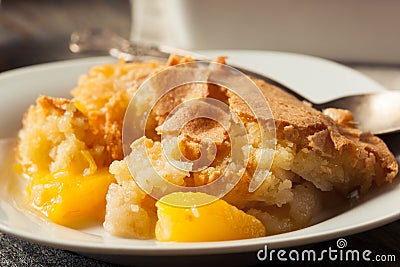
column 352, row 31
column 363, row 34
column 37, row 31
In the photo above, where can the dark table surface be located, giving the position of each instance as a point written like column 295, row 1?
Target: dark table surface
column 33, row 32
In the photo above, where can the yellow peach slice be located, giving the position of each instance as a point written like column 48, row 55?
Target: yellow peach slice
column 70, row 199
column 180, row 218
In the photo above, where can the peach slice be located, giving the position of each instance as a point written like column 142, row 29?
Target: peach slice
column 71, row 199
column 180, row 218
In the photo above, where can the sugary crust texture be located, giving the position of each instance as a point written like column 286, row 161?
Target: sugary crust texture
column 55, row 134
column 331, row 136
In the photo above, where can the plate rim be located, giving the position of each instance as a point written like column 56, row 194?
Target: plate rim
column 199, row 248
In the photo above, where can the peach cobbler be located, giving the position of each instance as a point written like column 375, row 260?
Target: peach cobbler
column 72, row 153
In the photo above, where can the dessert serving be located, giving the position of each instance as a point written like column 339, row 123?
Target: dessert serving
column 72, row 153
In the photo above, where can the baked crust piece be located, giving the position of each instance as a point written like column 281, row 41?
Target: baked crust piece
column 53, row 131
column 344, row 157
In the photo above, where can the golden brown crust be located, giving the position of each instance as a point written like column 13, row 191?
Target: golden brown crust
column 173, row 98
column 203, row 128
column 299, row 123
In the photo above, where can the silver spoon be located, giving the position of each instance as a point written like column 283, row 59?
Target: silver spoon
column 378, row 113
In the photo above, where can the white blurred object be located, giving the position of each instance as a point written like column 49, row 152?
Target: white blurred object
column 158, row 22
column 352, row 30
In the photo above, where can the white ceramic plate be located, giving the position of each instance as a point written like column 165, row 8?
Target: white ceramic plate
column 318, row 79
